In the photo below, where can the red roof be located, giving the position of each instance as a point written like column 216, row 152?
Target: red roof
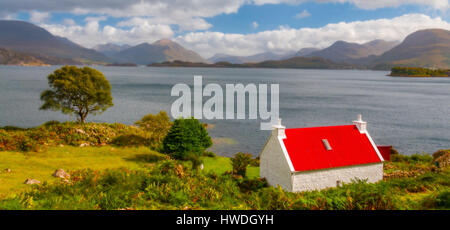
column 307, row 150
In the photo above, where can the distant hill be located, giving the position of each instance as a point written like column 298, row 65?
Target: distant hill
column 423, row 48
column 160, row 51
column 293, row 63
column 305, row 51
column 249, row 59
column 26, row 37
column 109, row 49
column 9, row 57
column 342, row 51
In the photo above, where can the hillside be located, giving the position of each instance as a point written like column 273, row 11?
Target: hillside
column 342, row 51
column 160, row 51
column 8, row 57
column 110, row 49
column 424, row 48
column 28, row 38
column 306, row 51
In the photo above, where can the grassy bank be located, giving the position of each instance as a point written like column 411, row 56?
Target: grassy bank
column 114, row 166
column 41, row 166
column 168, row 184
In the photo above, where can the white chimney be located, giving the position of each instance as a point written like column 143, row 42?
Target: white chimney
column 362, row 125
column 278, row 130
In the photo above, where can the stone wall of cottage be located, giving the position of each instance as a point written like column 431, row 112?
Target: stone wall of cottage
column 274, row 166
column 320, row 179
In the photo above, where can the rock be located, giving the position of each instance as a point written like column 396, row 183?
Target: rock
column 61, row 174
column 84, row 144
column 31, row 181
column 80, row 131
column 7, row 170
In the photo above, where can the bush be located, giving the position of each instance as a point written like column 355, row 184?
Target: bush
column 413, row 159
column 195, row 160
column 185, row 137
column 240, row 162
column 130, row 140
column 255, row 162
column 443, row 200
column 70, row 133
column 158, row 125
column 248, row 185
column 209, row 154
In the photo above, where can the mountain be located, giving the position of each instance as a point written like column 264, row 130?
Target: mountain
column 423, row 48
column 160, row 51
column 249, row 59
column 25, row 37
column 342, row 51
column 305, row 51
column 109, row 49
column 9, row 57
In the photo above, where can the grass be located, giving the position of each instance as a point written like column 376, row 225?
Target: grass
column 220, row 165
column 41, row 166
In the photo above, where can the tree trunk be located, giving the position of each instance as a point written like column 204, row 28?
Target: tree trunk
column 83, row 116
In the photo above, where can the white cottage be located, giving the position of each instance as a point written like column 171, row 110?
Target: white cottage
column 315, row 158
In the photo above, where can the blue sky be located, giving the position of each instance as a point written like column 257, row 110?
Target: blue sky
column 271, row 16
column 240, row 27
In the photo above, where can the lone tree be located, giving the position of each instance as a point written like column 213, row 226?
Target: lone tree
column 78, row 91
column 187, row 139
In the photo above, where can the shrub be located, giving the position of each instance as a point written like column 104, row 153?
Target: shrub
column 443, row 200
column 195, row 160
column 209, row 154
column 130, row 140
column 240, row 161
column 70, row 133
column 255, row 162
column 413, row 159
column 158, row 125
column 185, row 137
column 248, row 185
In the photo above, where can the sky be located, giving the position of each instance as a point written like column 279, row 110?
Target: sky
column 234, row 27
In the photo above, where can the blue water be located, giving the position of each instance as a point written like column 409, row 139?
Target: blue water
column 412, row 114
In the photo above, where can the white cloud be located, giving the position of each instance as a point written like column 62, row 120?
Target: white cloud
column 69, row 22
column 368, row 4
column 287, row 39
column 39, row 17
column 92, row 34
column 187, row 15
column 255, row 25
column 303, row 14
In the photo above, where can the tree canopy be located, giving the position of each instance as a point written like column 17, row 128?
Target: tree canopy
column 79, row 91
column 186, row 137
